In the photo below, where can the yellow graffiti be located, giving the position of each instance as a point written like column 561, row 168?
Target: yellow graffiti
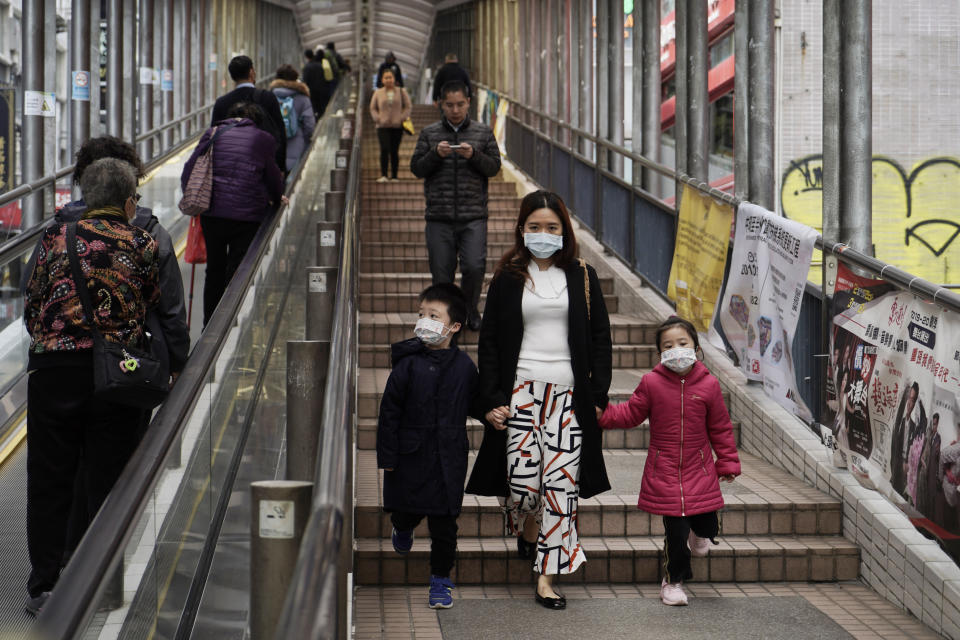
column 915, row 224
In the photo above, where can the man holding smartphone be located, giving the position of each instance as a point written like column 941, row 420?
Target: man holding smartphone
column 456, row 157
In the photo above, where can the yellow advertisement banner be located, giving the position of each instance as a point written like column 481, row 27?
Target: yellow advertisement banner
column 703, row 233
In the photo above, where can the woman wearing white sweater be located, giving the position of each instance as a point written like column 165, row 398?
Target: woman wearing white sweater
column 389, row 107
column 545, row 368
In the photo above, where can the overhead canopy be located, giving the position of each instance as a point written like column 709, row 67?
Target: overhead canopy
column 401, row 26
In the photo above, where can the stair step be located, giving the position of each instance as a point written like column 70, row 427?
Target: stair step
column 636, row 438
column 414, row 283
column 406, row 234
column 763, row 501
column 619, row 559
column 414, row 188
column 387, row 250
column 394, row 206
column 627, row 356
column 370, row 383
column 407, row 302
column 415, row 222
column 387, row 328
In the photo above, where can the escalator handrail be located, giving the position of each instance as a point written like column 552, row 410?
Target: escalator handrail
column 85, row 578
column 311, row 608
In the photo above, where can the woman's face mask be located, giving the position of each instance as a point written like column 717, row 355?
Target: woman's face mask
column 542, row 245
column 678, row 359
column 429, row 331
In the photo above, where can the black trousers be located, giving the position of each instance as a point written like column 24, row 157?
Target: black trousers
column 227, row 243
column 675, row 550
column 448, row 241
column 389, row 149
column 64, row 424
column 443, row 538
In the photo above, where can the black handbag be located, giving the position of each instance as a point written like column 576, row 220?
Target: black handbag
column 121, row 375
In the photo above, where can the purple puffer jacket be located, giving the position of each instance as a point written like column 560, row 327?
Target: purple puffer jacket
column 688, row 425
column 247, row 184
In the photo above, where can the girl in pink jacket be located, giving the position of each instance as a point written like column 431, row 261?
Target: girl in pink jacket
column 688, row 425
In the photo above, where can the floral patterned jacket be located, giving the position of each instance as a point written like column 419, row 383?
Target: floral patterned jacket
column 121, row 267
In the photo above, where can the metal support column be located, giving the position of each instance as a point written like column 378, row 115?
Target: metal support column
column 650, row 104
column 615, row 84
column 146, row 62
column 115, row 67
column 80, row 61
column 203, row 54
column 32, row 129
column 129, row 64
column 307, row 365
column 831, row 121
column 585, row 60
column 680, row 131
column 856, row 122
column 741, row 100
column 603, row 81
column 698, row 96
column 278, row 516
column 166, row 74
column 763, row 179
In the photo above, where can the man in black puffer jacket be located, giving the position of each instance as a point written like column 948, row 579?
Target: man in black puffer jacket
column 456, row 157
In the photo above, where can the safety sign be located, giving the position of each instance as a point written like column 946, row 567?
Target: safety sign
column 166, row 80
column 81, row 85
column 40, row 103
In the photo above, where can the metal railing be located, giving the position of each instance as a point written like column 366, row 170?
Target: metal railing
column 316, row 602
column 641, row 229
column 86, row 578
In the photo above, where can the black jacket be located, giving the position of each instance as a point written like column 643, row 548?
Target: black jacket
column 448, row 73
column 271, row 106
column 590, row 357
column 167, row 322
column 421, row 432
column 320, row 88
column 389, row 66
column 456, row 189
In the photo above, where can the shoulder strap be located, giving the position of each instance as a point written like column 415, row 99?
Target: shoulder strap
column 78, row 279
column 586, row 284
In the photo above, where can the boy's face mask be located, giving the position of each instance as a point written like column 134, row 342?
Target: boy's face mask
column 429, row 331
column 678, row 358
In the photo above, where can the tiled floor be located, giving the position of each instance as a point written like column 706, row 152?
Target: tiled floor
column 402, row 612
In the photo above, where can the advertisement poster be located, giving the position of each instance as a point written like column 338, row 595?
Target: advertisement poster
column 895, row 365
column 761, row 303
column 696, row 275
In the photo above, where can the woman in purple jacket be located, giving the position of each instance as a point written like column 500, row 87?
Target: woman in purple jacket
column 247, row 188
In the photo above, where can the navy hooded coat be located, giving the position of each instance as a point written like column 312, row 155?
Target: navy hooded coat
column 421, row 432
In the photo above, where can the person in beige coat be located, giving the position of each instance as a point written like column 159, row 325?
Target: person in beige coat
column 389, row 107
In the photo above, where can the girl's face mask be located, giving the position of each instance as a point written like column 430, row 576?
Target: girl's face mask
column 678, row 359
column 429, row 331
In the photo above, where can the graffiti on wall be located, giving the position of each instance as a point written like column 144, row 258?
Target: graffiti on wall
column 916, row 225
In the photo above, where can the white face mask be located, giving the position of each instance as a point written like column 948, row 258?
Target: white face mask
column 542, row 245
column 429, row 331
column 678, row 359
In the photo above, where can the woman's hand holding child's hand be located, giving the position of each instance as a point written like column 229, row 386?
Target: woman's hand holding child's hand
column 599, row 413
column 728, row 478
column 498, row 416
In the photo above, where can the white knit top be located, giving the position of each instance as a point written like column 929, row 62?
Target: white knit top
column 545, row 351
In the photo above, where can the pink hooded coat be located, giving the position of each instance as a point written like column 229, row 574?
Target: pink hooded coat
column 688, row 424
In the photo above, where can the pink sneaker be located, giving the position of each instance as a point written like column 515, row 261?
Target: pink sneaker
column 699, row 547
column 671, row 593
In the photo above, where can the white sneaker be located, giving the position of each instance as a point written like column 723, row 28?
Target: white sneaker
column 699, row 547
column 671, row 594
column 383, row 179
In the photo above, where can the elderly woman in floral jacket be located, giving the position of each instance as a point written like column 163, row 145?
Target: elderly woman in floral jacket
column 65, row 421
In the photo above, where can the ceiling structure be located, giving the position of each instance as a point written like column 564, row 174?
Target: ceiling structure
column 401, row 26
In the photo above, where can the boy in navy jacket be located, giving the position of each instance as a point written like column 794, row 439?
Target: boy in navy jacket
column 422, row 436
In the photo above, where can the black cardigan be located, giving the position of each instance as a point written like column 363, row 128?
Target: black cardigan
column 591, row 360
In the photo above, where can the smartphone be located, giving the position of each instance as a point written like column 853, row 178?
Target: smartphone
column 455, row 146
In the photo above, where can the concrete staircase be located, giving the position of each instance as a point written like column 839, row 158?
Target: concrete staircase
column 774, row 528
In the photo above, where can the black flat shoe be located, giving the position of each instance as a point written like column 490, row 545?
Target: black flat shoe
column 551, row 603
column 525, row 549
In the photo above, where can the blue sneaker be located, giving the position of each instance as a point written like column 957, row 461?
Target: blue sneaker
column 440, row 597
column 402, row 541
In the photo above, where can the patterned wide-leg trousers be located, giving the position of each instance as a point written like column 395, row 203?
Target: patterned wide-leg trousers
column 543, row 468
